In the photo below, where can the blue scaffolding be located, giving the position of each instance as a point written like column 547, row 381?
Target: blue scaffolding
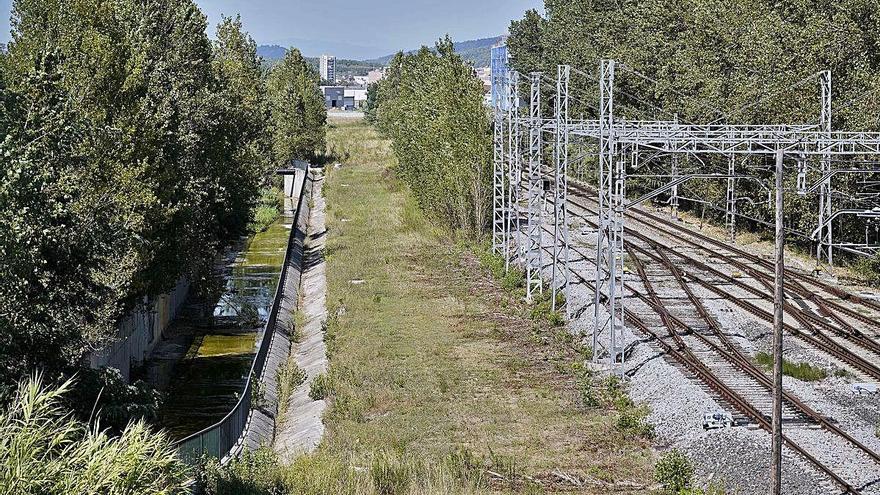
column 499, row 68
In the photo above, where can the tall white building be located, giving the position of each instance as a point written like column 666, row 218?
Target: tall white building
column 328, row 68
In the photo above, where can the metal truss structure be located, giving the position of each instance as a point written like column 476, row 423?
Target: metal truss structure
column 623, row 145
column 535, row 194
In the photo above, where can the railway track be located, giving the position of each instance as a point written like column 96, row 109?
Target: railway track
column 695, row 340
column 796, row 279
column 733, row 395
column 860, row 358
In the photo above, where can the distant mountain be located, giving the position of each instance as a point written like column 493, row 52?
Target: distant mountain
column 478, row 52
column 344, row 68
column 271, row 53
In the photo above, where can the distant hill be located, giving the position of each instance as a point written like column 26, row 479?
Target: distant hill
column 344, row 68
column 271, row 53
column 478, row 52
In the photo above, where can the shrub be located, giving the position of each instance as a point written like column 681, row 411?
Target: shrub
column 289, row 377
column 267, row 210
column 513, row 279
column 104, row 393
column 321, row 387
column 44, row 450
column 632, row 422
column 251, row 473
column 674, row 471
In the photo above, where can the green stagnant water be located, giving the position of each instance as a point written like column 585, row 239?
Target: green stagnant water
column 206, row 383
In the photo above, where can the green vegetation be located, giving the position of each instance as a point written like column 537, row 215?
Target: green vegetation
column 290, row 376
column 135, row 149
column 104, row 391
column 675, row 472
column 434, row 377
column 868, row 269
column 320, row 387
column 801, row 371
column 738, row 62
column 431, row 107
column 298, row 114
column 267, row 210
column 44, row 450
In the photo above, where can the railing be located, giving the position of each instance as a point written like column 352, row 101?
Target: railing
column 226, row 436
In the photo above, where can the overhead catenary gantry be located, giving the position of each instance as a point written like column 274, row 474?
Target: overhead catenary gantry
column 621, row 146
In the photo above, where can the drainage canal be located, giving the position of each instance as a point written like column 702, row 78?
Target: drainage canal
column 202, row 364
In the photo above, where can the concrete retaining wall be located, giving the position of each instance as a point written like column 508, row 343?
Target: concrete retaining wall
column 140, row 330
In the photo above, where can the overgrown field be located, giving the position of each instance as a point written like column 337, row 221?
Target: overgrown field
column 441, row 381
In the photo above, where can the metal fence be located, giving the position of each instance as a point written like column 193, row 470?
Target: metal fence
column 227, row 436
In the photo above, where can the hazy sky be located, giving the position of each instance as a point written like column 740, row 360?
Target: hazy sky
column 359, row 28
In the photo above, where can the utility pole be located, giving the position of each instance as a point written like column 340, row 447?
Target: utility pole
column 776, row 461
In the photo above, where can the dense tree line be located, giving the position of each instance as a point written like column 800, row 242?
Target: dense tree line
column 134, row 148
column 740, row 61
column 431, row 107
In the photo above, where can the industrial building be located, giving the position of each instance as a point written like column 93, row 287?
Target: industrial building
column 340, row 97
column 328, row 68
column 334, row 96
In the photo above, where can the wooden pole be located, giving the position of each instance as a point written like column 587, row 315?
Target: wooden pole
column 776, row 461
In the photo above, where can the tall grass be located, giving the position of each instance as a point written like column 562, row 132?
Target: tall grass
column 43, row 450
column 801, row 371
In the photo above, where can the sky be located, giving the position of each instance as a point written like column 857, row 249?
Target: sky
column 358, row 29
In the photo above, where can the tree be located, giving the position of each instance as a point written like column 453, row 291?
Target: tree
column 740, row 62
column 298, row 113
column 134, row 150
column 372, row 103
column 431, row 107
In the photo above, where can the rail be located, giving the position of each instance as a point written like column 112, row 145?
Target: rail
column 225, row 437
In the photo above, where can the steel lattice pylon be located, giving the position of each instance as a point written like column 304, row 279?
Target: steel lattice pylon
column 730, row 211
column 608, row 301
column 560, row 273
column 499, row 208
column 534, row 281
column 825, row 248
column 514, row 169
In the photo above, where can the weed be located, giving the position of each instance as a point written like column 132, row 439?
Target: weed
column 632, row 422
column 321, row 387
column 542, row 308
column 251, row 473
column 288, row 378
column 674, row 471
column 503, row 465
column 843, row 373
column 801, row 371
column 391, row 475
column 512, row 280
column 258, row 393
column 267, row 210
column 44, row 450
